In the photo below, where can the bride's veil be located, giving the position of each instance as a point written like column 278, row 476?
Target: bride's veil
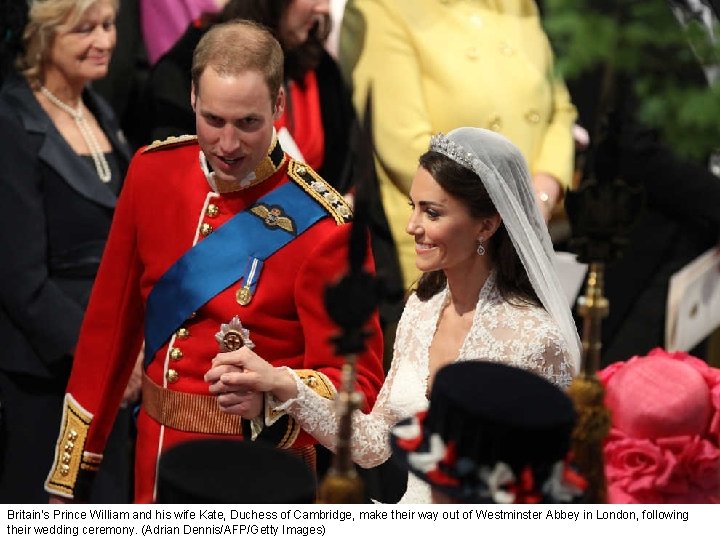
column 505, row 175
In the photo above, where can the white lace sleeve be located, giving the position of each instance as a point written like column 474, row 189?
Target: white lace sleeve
column 369, row 444
column 550, row 358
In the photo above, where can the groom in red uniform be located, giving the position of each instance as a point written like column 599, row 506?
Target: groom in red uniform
column 218, row 242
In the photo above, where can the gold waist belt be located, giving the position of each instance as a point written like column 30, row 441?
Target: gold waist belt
column 199, row 414
column 187, row 412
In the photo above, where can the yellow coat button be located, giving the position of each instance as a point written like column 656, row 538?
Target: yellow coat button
column 175, row 354
column 532, row 116
column 495, row 122
column 206, row 229
column 183, row 333
column 73, row 435
column 212, row 210
column 172, row 376
column 472, row 53
column 506, row 49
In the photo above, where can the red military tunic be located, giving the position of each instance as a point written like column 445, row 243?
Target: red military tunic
column 167, row 205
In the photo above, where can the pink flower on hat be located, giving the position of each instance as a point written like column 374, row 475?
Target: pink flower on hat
column 670, row 470
column 699, row 464
column 664, row 443
column 636, row 469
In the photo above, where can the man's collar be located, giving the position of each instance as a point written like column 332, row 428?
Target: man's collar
column 272, row 161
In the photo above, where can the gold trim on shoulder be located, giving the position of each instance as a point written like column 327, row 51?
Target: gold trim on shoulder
column 70, row 456
column 313, row 184
column 169, row 142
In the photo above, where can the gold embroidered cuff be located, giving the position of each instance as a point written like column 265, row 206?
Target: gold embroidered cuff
column 272, row 414
column 291, row 433
column 71, row 461
column 316, row 381
column 279, row 429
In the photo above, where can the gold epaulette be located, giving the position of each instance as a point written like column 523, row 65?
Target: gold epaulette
column 170, row 142
column 320, row 190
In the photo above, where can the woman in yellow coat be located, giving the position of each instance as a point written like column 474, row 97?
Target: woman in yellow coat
column 437, row 64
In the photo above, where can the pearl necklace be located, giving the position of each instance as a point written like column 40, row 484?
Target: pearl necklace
column 101, row 164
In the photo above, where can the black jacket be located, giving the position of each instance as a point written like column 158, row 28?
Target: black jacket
column 679, row 220
column 56, row 217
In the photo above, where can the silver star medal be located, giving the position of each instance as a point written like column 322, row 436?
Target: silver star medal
column 233, row 336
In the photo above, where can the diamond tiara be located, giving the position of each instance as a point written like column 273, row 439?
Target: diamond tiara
column 440, row 143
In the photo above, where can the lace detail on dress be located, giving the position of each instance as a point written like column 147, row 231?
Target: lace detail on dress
column 519, row 335
column 318, row 416
column 523, row 336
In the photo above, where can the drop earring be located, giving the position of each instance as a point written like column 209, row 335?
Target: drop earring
column 480, row 248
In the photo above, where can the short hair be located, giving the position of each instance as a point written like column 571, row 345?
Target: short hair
column 45, row 19
column 463, row 184
column 236, row 47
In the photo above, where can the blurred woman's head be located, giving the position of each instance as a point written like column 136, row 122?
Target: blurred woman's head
column 301, row 27
column 300, row 18
column 73, row 38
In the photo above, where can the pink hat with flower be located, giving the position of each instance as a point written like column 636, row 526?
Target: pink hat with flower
column 664, row 443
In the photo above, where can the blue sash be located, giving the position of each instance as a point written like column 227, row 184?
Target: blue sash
column 219, row 260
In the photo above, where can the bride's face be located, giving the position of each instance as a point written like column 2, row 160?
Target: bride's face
column 446, row 235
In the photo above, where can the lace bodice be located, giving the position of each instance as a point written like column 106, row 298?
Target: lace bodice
column 525, row 337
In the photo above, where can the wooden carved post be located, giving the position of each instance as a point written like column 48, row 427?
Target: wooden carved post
column 341, row 484
column 586, row 391
column 600, row 213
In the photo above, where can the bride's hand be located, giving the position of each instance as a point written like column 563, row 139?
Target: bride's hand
column 243, row 370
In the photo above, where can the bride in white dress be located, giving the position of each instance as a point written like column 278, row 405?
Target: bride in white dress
column 488, row 290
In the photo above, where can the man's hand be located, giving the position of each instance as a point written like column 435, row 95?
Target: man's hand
column 244, row 371
column 56, row 499
column 133, row 389
column 236, row 397
column 247, row 404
